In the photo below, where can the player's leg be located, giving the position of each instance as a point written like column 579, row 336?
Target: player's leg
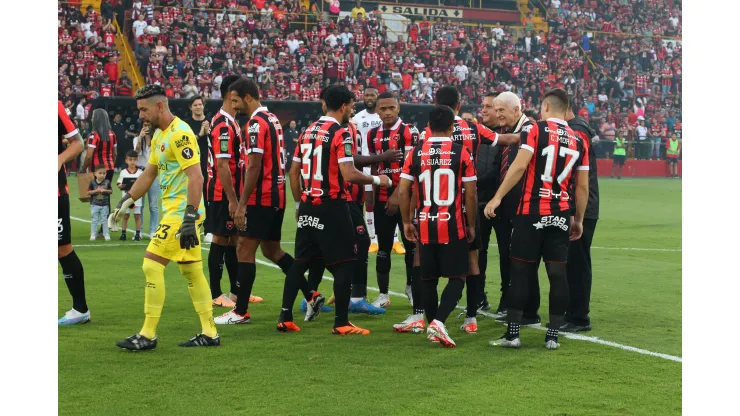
column 124, row 222
column 192, row 271
column 137, row 221
column 579, row 274
column 370, row 219
column 486, row 227
column 502, row 227
column 246, row 249
column 72, row 270
column 409, row 253
column 415, row 322
column 555, row 254
column 231, row 263
column 224, row 235
column 453, row 263
column 384, row 226
column 306, row 251
column 398, row 247
column 153, row 197
column 316, row 273
column 472, row 294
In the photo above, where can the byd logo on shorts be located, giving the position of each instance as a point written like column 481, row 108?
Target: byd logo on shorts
column 552, row 221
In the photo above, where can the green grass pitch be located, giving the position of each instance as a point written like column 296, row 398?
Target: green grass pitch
column 636, row 302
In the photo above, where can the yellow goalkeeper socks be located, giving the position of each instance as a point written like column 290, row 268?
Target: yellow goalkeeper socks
column 200, row 293
column 153, row 297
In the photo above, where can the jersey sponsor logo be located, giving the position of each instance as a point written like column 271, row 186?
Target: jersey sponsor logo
column 388, row 171
column 254, row 128
column 552, row 221
column 547, row 193
column 187, row 153
column 182, row 142
column 438, row 151
column 561, row 132
column 442, row 216
column 310, row 221
column 527, row 128
column 224, row 139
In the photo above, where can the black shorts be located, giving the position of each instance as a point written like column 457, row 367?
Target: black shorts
column 358, row 221
column 218, row 220
column 672, row 160
column 64, row 228
column 619, row 160
column 540, row 236
column 109, row 175
column 444, row 260
column 325, row 231
column 476, row 244
column 263, row 223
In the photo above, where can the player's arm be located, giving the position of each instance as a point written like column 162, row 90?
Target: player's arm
column 295, row 173
column 404, row 197
column 363, row 161
column 223, row 141
column 469, row 180
column 369, row 189
column 72, row 135
column 342, row 143
column 91, row 146
column 255, row 151
column 516, row 170
column 582, row 168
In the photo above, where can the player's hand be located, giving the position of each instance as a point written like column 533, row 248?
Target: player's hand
column 240, row 217
column 491, row 206
column 117, row 215
column 410, row 232
column 471, row 233
column 392, row 156
column 188, row 232
column 60, row 163
column 232, row 208
column 576, row 230
column 385, row 181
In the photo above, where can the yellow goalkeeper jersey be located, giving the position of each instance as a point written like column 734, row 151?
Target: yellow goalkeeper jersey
column 174, row 150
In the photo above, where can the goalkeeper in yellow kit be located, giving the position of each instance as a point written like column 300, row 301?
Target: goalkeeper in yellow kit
column 175, row 158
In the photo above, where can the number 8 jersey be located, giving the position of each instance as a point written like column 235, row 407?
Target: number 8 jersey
column 557, row 152
column 438, row 167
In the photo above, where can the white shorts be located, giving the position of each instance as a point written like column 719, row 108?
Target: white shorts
column 136, row 210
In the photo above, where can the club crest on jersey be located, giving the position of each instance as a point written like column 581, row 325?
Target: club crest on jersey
column 161, row 148
column 229, row 224
column 183, row 141
column 360, row 229
column 187, row 153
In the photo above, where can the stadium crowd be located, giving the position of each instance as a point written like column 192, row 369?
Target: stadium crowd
column 622, row 73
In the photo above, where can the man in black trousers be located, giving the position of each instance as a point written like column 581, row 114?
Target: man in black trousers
column 579, row 253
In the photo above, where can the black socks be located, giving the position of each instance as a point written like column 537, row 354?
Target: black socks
column 74, row 277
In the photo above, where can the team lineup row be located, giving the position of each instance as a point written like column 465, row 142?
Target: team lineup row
column 425, row 183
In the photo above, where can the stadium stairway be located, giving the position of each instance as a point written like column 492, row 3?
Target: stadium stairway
column 127, row 61
column 540, row 22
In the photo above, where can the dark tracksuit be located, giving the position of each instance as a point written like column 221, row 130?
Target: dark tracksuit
column 579, row 254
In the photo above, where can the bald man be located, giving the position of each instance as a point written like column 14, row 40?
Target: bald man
column 508, row 112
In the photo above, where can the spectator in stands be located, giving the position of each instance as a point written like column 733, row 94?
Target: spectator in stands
column 80, row 112
column 143, row 54
column 358, row 10
column 124, row 141
column 142, row 146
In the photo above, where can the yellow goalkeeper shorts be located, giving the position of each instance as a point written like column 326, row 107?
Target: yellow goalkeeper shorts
column 165, row 243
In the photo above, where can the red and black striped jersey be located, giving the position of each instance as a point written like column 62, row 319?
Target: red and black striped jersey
column 557, row 151
column 102, row 150
column 224, row 142
column 266, row 137
column 401, row 137
column 321, row 148
column 470, row 135
column 356, row 192
column 66, row 130
column 438, row 167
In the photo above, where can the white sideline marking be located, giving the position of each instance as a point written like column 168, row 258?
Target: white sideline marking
column 579, row 337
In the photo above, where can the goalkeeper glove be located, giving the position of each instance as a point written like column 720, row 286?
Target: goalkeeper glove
column 117, row 215
column 188, row 233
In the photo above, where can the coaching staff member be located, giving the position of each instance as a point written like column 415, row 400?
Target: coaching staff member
column 579, row 254
column 202, row 128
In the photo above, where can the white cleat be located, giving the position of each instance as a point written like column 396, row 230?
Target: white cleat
column 551, row 344
column 93, row 237
column 506, row 343
column 232, row 318
column 383, row 301
column 470, row 325
column 437, row 332
column 412, row 323
column 409, row 295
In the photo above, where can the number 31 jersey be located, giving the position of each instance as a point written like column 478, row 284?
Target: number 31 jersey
column 438, row 167
column 557, row 152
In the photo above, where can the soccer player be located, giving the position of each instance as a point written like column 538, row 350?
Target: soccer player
column 70, row 146
column 325, row 227
column 471, row 136
column 439, row 168
column 175, row 158
column 394, row 134
column 222, row 195
column 549, row 153
column 259, row 214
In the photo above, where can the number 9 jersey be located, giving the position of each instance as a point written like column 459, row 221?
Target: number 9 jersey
column 557, row 152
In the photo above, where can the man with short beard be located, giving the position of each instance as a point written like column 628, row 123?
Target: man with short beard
column 507, row 110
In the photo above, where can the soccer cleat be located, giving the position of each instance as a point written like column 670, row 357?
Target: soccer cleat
column 254, row 299
column 506, row 342
column 223, row 301
column 470, row 325
column 398, row 248
column 409, row 295
column 373, row 248
column 484, row 305
column 313, row 308
column 350, row 329
column 304, row 307
column 436, row 332
column 570, row 327
column 73, row 317
column 531, row 321
column 201, row 340
column 383, row 301
column 232, row 297
column 137, row 342
column 93, row 236
column 412, row 323
column 552, row 344
column 363, row 306
column 137, row 237
column 331, row 300
column 501, row 316
column 123, row 236
column 232, row 318
column 287, row 327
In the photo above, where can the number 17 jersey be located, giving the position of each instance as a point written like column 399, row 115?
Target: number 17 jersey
column 557, row 152
column 438, row 167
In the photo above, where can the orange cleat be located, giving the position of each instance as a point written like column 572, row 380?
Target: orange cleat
column 398, row 248
column 287, row 327
column 373, row 248
column 255, row 299
column 224, row 302
column 350, row 329
column 437, row 332
column 331, row 300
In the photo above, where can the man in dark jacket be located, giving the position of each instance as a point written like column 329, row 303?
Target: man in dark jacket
column 579, row 254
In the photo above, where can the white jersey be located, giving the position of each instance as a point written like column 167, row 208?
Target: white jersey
column 365, row 122
column 126, row 174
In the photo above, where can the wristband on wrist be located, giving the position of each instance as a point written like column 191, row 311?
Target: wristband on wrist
column 376, row 180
